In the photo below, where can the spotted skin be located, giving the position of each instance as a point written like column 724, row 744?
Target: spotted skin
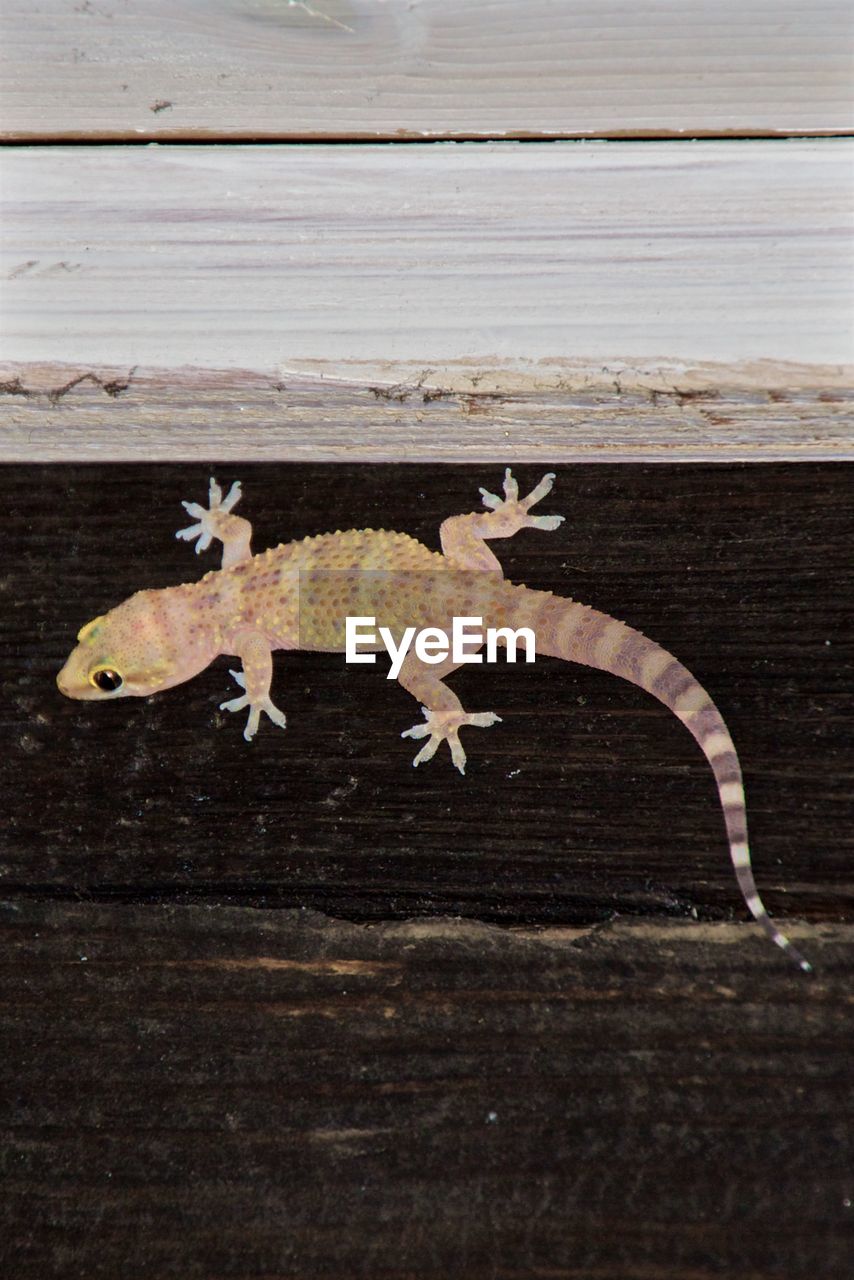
column 298, row 595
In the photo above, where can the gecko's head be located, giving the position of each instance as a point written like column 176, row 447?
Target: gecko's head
column 132, row 651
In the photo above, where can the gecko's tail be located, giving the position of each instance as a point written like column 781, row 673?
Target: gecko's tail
column 578, row 633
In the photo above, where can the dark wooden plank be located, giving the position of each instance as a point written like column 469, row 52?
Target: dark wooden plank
column 590, row 798
column 198, row 1092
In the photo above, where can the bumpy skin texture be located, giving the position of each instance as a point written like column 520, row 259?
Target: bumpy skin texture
column 298, row 595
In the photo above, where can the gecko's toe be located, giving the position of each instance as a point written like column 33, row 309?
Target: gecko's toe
column 233, row 496
column 445, row 727
column 191, row 531
column 539, row 491
column 234, row 704
column 511, row 486
column 427, row 752
column 458, row 755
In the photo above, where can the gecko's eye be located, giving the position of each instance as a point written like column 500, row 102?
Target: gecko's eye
column 106, row 679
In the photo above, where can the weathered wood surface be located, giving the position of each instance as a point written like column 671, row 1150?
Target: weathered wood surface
column 263, row 258
column 234, row 1093
column 369, row 69
column 561, row 412
column 589, row 798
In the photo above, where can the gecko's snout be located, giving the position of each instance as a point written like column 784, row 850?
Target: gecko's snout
column 71, row 679
column 65, row 682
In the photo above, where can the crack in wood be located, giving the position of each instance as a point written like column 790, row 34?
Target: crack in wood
column 112, row 387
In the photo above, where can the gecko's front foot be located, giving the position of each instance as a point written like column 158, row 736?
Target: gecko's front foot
column 510, row 513
column 255, row 708
column 210, row 522
column 444, row 726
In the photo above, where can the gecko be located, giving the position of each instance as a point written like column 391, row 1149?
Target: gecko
column 298, row 595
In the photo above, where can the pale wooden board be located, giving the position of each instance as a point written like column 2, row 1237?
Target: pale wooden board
column 399, row 258
column 55, row 413
column 423, row 68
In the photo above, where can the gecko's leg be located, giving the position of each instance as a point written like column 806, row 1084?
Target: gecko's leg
column 464, row 537
column 253, row 649
column 234, row 532
column 442, row 709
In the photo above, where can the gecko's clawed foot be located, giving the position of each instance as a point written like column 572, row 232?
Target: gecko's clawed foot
column 512, row 511
column 255, row 708
column 444, row 726
column 209, row 521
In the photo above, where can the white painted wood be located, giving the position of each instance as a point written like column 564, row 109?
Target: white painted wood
column 384, row 260
column 119, row 69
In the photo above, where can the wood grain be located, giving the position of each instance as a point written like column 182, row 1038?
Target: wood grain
column 589, row 798
column 201, row 1080
column 264, row 258
column 258, row 69
column 561, row 412
column 272, row 1094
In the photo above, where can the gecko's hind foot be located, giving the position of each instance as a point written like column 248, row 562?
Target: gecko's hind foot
column 209, row 522
column 255, row 708
column 444, row 726
column 512, row 511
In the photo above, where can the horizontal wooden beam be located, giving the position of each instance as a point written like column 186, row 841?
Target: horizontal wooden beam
column 271, row 1093
column 459, row 411
column 527, row 286
column 246, row 69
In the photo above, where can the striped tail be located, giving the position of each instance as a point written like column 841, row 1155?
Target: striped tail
column 565, row 629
